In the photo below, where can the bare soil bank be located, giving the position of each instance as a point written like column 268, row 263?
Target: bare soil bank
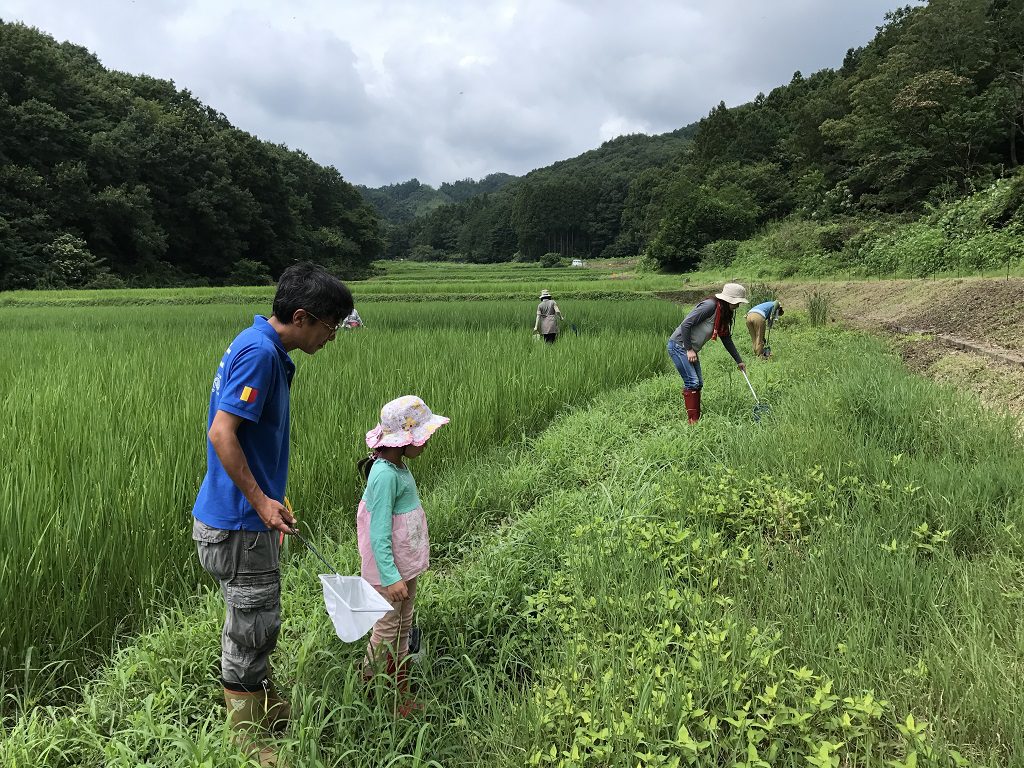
column 968, row 332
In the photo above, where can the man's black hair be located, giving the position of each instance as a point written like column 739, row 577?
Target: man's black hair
column 310, row 287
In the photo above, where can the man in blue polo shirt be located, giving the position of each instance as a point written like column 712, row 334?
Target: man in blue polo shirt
column 239, row 509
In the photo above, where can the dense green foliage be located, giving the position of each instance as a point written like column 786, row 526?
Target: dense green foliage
column 401, row 203
column 981, row 233
column 930, row 111
column 108, row 178
column 571, row 207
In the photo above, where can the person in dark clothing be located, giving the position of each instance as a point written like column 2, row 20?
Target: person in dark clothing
column 710, row 319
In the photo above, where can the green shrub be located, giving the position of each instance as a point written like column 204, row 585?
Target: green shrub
column 762, row 292
column 70, row 263
column 647, row 264
column 719, row 254
column 249, row 272
column 831, row 239
column 551, row 259
column 424, row 253
column 106, row 280
column 1011, row 209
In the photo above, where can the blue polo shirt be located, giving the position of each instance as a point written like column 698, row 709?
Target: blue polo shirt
column 767, row 310
column 253, row 381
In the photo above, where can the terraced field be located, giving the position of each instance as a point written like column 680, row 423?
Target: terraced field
column 839, row 584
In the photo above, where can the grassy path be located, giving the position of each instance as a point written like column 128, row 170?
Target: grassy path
column 839, row 585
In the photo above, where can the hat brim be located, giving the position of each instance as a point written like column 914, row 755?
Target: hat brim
column 730, row 299
column 378, row 438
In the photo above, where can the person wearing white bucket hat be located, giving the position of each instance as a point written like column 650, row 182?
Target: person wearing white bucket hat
column 391, row 527
column 710, row 319
column 548, row 318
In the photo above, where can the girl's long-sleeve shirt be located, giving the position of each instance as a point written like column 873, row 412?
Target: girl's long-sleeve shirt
column 394, row 543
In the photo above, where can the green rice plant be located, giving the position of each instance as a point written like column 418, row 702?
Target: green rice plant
column 400, row 281
column 106, row 407
column 818, row 307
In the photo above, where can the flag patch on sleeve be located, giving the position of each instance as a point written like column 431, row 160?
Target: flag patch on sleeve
column 248, row 395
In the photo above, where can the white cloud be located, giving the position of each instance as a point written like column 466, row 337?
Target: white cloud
column 443, row 90
column 618, row 125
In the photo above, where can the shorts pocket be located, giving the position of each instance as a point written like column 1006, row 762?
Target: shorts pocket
column 254, row 591
column 254, row 613
column 207, row 534
column 216, row 553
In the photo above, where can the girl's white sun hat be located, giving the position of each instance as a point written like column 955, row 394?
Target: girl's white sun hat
column 405, row 420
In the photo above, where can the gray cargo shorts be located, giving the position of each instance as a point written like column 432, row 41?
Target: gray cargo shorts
column 246, row 564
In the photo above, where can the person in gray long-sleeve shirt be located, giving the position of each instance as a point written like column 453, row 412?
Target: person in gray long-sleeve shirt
column 709, row 320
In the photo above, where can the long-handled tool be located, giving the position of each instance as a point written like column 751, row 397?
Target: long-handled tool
column 295, row 532
column 760, row 409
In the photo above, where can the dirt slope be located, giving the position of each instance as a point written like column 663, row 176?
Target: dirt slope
column 968, row 332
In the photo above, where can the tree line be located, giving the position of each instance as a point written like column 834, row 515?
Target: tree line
column 110, row 179
column 931, row 110
column 401, row 203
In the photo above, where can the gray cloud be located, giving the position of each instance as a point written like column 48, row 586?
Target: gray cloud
column 444, row 90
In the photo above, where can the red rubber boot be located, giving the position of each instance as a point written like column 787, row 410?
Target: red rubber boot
column 692, row 397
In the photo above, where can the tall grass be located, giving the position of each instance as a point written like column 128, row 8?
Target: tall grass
column 819, row 306
column 762, row 292
column 105, row 418
column 731, row 593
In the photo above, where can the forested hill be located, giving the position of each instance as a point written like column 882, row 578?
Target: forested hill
column 401, row 203
column 108, row 178
column 930, row 111
column 570, row 206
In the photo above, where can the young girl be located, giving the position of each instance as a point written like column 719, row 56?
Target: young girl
column 392, row 529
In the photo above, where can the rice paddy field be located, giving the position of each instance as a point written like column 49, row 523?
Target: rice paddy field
column 838, row 584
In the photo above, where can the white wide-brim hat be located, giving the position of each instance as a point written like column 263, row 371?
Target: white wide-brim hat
column 405, row 420
column 545, row 294
column 734, row 293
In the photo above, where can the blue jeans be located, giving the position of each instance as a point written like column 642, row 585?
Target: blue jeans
column 690, row 372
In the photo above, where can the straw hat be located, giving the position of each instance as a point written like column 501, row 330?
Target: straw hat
column 404, row 421
column 545, row 294
column 734, row 293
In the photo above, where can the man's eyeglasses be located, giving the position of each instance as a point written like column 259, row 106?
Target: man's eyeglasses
column 333, row 328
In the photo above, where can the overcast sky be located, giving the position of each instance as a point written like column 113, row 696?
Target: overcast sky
column 448, row 89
